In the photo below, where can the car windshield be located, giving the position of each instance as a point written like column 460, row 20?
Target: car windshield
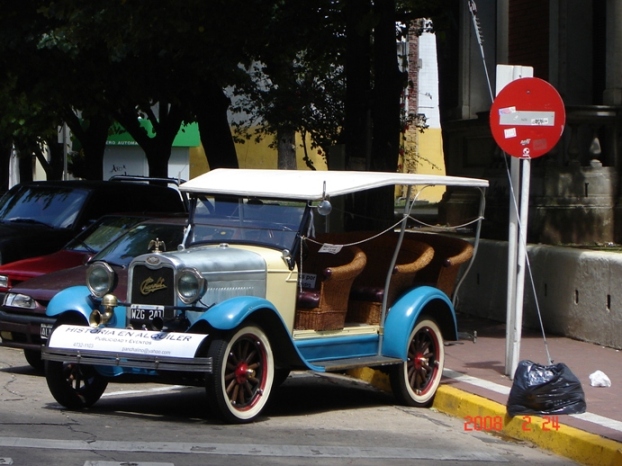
column 247, row 220
column 102, row 232
column 139, row 240
column 55, row 207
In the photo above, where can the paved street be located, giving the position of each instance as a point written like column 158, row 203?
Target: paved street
column 312, row 420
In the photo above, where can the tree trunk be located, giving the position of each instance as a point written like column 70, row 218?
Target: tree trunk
column 286, row 149
column 92, row 134
column 25, row 162
column 158, row 158
column 6, row 149
column 158, row 148
column 357, row 134
column 55, row 166
column 358, row 84
column 388, row 88
column 374, row 209
column 214, row 129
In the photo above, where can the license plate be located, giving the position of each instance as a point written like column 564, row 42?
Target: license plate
column 46, row 331
column 143, row 312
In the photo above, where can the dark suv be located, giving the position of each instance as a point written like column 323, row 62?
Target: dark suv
column 41, row 217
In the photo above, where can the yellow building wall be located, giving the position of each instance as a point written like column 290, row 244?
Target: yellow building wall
column 253, row 154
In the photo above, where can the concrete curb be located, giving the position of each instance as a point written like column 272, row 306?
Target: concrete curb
column 485, row 415
column 566, row 441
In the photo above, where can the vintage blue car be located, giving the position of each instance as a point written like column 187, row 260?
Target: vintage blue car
column 268, row 280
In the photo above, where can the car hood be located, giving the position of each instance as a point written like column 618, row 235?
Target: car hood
column 44, row 287
column 24, row 269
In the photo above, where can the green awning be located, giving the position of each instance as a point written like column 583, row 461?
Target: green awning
column 188, row 135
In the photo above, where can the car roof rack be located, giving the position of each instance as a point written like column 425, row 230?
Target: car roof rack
column 175, row 181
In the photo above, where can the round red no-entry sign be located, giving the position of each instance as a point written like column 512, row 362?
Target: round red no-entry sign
column 527, row 118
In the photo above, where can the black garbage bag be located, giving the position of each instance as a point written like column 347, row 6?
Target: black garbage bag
column 539, row 389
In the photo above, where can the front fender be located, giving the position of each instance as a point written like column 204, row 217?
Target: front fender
column 78, row 299
column 229, row 314
column 75, row 298
column 406, row 311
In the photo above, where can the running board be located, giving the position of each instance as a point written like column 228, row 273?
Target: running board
column 352, row 363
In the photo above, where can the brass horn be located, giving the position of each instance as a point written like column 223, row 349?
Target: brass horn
column 97, row 318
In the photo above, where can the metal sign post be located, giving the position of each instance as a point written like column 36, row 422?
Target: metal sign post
column 526, row 119
column 521, row 169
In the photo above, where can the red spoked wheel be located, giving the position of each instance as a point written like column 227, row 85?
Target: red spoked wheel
column 415, row 381
column 243, row 372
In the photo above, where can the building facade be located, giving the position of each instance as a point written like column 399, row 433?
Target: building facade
column 576, row 45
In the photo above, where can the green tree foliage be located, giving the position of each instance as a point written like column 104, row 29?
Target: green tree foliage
column 28, row 118
column 297, row 82
column 326, row 68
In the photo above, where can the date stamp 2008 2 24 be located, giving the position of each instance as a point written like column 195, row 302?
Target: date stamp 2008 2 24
column 495, row 423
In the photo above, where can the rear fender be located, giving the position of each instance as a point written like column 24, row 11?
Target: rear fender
column 404, row 314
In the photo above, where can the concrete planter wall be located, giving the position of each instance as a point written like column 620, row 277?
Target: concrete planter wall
column 579, row 292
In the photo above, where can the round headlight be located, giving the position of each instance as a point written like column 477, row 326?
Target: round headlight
column 190, row 285
column 100, row 279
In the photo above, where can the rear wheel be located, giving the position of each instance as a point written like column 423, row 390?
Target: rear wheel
column 243, row 372
column 415, row 381
column 75, row 386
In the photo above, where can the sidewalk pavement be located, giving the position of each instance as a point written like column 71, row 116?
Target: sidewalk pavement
column 475, row 388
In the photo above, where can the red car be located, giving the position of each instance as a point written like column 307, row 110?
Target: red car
column 84, row 246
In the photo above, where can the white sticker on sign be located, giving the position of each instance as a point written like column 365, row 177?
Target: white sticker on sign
column 507, row 110
column 540, row 122
column 509, row 133
column 527, row 118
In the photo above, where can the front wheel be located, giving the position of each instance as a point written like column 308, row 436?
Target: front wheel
column 75, row 386
column 34, row 359
column 243, row 372
column 415, row 381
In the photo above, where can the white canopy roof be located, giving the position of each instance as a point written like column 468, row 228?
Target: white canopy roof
column 310, row 184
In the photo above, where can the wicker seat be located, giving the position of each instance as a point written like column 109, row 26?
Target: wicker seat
column 449, row 255
column 368, row 289
column 327, row 279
